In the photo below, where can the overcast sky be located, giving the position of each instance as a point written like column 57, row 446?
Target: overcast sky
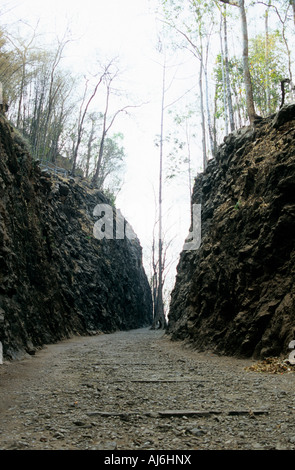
column 127, row 29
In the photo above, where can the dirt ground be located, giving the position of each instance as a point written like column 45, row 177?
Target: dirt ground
column 138, row 390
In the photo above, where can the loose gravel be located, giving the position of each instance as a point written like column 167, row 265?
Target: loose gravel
column 138, row 390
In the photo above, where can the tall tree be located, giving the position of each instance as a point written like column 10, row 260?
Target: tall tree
column 282, row 13
column 292, row 3
column 93, row 118
column 23, row 48
column 246, row 69
column 108, row 118
column 267, row 82
column 195, row 21
column 82, row 114
column 112, row 164
column 227, row 74
column 159, row 314
column 269, row 68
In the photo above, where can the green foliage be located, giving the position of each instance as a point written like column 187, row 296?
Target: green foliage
column 267, row 71
column 237, row 84
column 266, row 74
column 112, row 166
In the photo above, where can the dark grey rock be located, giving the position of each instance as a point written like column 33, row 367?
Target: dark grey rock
column 235, row 295
column 56, row 278
column 285, row 114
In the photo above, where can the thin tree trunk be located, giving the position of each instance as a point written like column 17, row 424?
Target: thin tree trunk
column 224, row 85
column 21, row 94
column 292, row 3
column 203, row 125
column 159, row 317
column 267, row 90
column 247, row 76
column 105, row 131
column 227, row 74
column 211, row 139
column 102, row 140
column 89, row 149
column 189, row 160
column 214, row 119
column 81, row 123
column 238, row 107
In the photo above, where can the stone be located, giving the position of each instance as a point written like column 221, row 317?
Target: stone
column 42, row 419
column 196, row 432
column 107, row 445
column 235, row 294
column 285, row 114
column 71, row 283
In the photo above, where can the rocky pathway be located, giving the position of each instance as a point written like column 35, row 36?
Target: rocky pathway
column 139, row 391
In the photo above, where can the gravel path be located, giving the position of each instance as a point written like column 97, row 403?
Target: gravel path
column 139, row 391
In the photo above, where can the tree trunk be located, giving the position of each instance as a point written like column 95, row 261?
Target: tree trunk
column 18, row 121
column 103, row 136
column 214, row 118
column 224, row 85
column 202, row 113
column 159, row 318
column 292, row 3
column 81, row 123
column 189, row 160
column 100, row 156
column 247, row 76
column 89, row 148
column 227, row 75
column 210, row 131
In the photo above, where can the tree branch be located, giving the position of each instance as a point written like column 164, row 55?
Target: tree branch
column 230, row 2
column 121, row 111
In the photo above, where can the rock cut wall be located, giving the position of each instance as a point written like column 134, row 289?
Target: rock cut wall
column 56, row 279
column 235, row 295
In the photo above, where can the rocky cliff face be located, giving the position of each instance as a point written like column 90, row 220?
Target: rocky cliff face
column 56, row 279
column 235, row 295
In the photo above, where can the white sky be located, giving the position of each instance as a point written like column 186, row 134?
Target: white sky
column 126, row 28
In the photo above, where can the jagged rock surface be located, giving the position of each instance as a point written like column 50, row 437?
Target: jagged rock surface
column 235, row 295
column 56, row 279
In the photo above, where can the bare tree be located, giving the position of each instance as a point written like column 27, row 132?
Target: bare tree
column 55, row 86
column 159, row 315
column 110, row 75
column 196, row 30
column 283, row 16
column 82, row 114
column 91, row 138
column 23, row 49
